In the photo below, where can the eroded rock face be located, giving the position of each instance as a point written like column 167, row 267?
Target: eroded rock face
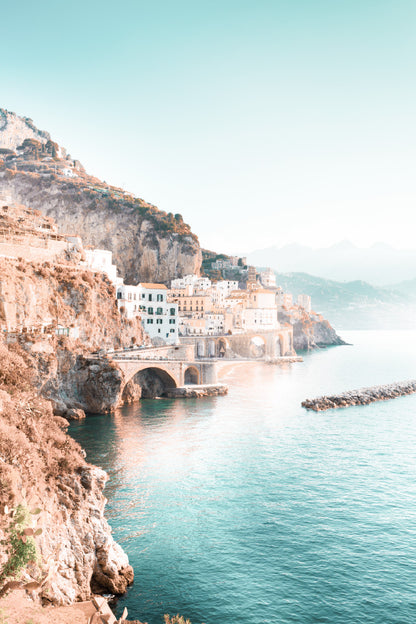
column 87, row 557
column 30, row 294
column 310, row 332
column 147, row 244
column 14, row 130
column 91, row 386
column 44, row 467
column 132, row 392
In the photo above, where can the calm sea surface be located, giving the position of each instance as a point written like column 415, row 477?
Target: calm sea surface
column 248, row 509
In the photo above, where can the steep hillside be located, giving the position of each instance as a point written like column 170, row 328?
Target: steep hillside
column 148, row 244
column 41, row 299
column 43, row 470
column 355, row 305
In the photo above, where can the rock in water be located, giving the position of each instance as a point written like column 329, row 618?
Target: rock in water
column 363, row 396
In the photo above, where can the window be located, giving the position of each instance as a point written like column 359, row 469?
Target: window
column 172, row 311
column 119, row 295
column 159, row 321
column 150, row 321
column 159, row 297
column 172, row 321
column 172, row 331
column 143, row 296
column 150, row 310
column 129, row 297
column 158, row 331
column 159, row 311
column 150, row 297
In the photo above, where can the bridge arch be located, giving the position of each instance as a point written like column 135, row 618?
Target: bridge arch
column 162, row 371
column 257, row 347
column 221, row 347
column 146, row 381
column 191, row 376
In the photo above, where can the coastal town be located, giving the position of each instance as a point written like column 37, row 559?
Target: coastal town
column 105, row 301
column 207, row 313
column 190, row 309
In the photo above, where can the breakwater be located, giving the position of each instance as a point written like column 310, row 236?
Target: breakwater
column 362, row 396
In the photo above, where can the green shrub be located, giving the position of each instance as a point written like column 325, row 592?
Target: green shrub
column 19, row 543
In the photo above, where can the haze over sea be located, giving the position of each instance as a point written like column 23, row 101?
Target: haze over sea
column 249, row 509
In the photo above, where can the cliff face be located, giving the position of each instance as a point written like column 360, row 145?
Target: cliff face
column 32, row 294
column 41, row 466
column 148, row 244
column 14, row 130
column 82, row 302
column 309, row 330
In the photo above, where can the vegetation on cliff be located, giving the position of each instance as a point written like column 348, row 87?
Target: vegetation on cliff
column 148, row 244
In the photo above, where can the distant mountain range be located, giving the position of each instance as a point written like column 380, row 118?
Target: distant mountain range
column 380, row 264
column 356, row 304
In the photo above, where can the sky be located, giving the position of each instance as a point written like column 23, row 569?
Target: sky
column 263, row 122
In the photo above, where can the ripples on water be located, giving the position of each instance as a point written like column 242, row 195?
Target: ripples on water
column 248, row 509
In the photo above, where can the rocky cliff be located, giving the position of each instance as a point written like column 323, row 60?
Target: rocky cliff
column 148, row 244
column 41, row 466
column 309, row 330
column 41, row 299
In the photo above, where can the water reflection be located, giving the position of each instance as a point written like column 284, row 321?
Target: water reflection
column 249, row 509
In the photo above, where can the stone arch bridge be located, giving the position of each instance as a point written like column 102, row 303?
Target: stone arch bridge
column 249, row 345
column 172, row 373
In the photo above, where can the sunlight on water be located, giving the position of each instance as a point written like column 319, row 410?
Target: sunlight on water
column 249, row 509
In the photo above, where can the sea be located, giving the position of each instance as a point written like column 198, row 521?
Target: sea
column 249, row 509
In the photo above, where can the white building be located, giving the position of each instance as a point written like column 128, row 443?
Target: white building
column 190, row 326
column 159, row 318
column 129, row 300
column 284, row 300
column 102, row 260
column 69, row 173
column 268, row 278
column 261, row 319
column 221, row 290
column 191, row 283
column 261, row 311
column 214, row 324
column 305, row 302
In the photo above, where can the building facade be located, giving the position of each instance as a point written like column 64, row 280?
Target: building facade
column 159, row 316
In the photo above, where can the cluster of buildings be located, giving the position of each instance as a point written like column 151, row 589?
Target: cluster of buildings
column 197, row 306
column 193, row 306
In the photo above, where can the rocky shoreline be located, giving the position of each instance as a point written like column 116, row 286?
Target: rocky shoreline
column 362, row 396
column 196, row 391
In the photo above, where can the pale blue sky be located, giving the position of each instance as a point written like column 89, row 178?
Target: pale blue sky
column 262, row 122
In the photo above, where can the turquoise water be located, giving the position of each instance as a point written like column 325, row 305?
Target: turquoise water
column 249, row 509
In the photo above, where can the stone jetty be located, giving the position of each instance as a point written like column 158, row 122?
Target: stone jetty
column 363, row 396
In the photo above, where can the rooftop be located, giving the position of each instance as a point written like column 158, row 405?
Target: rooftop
column 153, row 286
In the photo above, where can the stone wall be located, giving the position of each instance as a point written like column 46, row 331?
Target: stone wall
column 33, row 250
column 252, row 345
